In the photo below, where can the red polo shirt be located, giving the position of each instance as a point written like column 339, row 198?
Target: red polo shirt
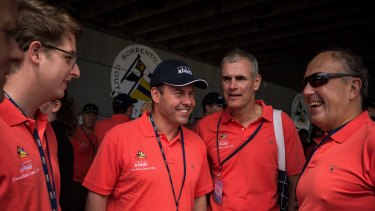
column 341, row 173
column 22, row 181
column 84, row 154
column 249, row 177
column 130, row 169
column 101, row 127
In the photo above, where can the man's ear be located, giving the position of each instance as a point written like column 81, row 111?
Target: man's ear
column 34, row 51
column 208, row 108
column 258, row 79
column 56, row 105
column 355, row 88
column 155, row 95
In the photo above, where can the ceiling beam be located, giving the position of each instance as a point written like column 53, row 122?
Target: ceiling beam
column 274, row 22
column 143, row 10
column 324, row 39
column 190, row 13
column 92, row 8
column 339, row 23
column 243, row 15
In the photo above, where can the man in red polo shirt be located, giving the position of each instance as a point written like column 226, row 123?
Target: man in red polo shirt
column 211, row 103
column 153, row 162
column 84, row 153
column 9, row 51
column 246, row 178
column 29, row 165
column 341, row 172
column 122, row 108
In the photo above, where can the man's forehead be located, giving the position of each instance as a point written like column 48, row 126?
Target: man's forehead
column 328, row 57
column 180, row 88
column 89, row 113
column 234, row 75
column 325, row 62
column 236, row 69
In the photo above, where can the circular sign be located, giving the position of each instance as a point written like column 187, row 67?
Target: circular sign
column 300, row 113
column 131, row 73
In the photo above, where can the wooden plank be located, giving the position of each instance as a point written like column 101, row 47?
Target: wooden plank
column 92, row 8
column 275, row 22
column 144, row 10
column 246, row 15
column 289, row 33
column 190, row 13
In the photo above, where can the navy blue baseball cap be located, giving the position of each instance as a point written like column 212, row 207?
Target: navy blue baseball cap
column 175, row 73
column 213, row 98
column 90, row 107
column 123, row 100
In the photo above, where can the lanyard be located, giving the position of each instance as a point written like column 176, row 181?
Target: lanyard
column 321, row 143
column 87, row 135
column 51, row 188
column 176, row 200
column 89, row 140
column 238, row 149
column 50, row 184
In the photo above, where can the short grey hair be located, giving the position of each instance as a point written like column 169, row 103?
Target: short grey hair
column 354, row 65
column 236, row 54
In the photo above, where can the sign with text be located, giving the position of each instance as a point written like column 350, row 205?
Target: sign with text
column 131, row 73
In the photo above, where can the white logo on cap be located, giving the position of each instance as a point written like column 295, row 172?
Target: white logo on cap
column 184, row 69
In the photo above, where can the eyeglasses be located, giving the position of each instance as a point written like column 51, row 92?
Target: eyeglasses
column 73, row 56
column 320, row 79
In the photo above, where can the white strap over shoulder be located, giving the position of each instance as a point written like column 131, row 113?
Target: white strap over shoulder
column 279, row 134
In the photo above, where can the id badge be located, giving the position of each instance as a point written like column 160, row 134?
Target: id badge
column 218, row 192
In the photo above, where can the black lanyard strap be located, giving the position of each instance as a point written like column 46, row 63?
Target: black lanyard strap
column 321, row 143
column 176, row 200
column 239, row 148
column 50, row 183
column 88, row 139
column 49, row 179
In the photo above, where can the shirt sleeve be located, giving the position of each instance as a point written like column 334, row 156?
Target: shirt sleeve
column 105, row 169
column 369, row 157
column 295, row 158
column 204, row 184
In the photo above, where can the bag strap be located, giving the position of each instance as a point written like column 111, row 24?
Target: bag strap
column 279, row 134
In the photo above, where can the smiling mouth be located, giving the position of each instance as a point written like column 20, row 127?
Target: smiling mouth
column 316, row 104
column 234, row 95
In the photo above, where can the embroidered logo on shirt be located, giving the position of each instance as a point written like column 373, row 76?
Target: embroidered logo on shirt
column 140, row 155
column 224, row 142
column 21, row 152
column 141, row 163
column 25, row 165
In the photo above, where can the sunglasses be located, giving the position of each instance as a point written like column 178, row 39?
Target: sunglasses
column 320, row 79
